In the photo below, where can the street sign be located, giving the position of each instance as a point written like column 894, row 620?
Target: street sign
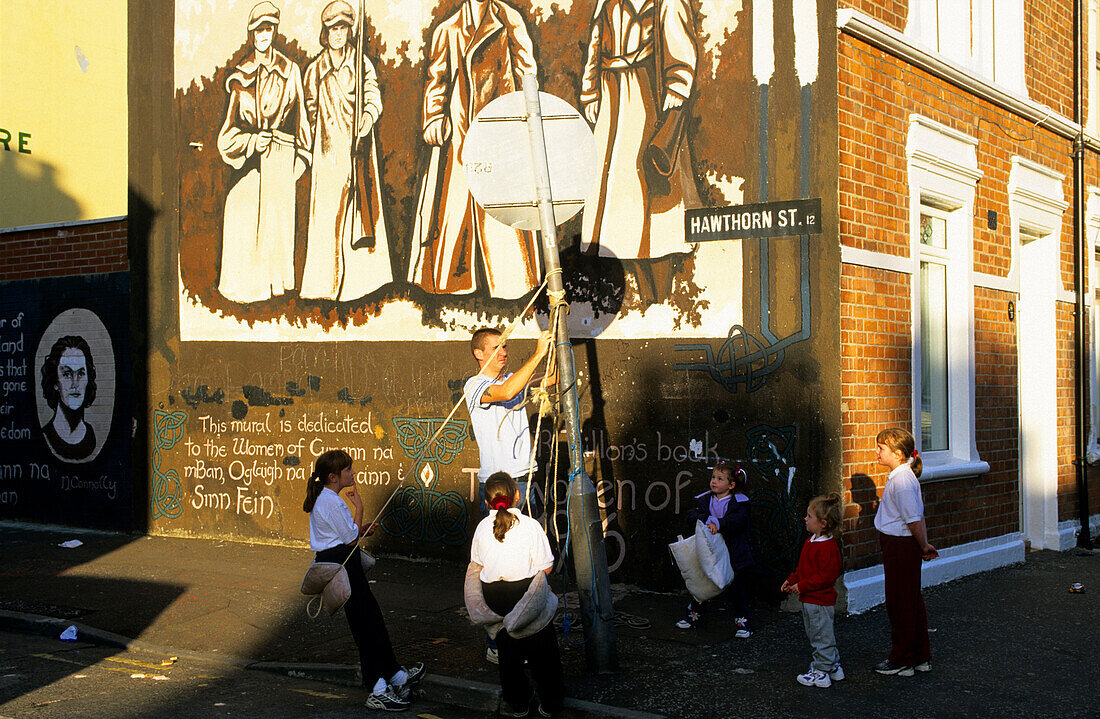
column 763, row 219
column 496, row 156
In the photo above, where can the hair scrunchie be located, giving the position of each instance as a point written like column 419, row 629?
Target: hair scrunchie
column 501, row 501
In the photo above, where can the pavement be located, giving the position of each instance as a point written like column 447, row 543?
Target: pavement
column 1011, row 642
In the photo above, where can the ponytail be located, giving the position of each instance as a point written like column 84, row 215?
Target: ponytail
column 500, row 489
column 331, row 462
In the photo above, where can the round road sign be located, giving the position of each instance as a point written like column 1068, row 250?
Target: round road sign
column 496, row 155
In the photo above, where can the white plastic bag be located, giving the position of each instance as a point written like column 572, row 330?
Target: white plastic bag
column 686, row 555
column 714, row 555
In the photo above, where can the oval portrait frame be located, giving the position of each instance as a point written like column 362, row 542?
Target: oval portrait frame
column 85, row 323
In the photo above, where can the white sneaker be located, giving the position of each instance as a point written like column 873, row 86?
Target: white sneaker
column 923, row 667
column 387, row 701
column 837, row 674
column 814, row 678
column 491, row 655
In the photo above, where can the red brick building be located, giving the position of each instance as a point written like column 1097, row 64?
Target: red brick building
column 958, row 285
column 940, row 289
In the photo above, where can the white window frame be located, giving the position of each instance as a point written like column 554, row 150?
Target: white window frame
column 989, row 39
column 1092, row 227
column 933, row 207
column 943, row 175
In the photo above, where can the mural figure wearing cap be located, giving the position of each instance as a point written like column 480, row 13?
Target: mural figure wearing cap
column 266, row 140
column 639, row 73
column 347, row 252
column 477, row 54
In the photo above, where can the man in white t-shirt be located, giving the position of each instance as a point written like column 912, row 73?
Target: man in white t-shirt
column 502, row 431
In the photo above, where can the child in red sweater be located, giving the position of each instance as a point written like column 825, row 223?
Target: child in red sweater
column 813, row 581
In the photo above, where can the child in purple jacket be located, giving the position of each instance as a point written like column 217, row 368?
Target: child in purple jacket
column 725, row 510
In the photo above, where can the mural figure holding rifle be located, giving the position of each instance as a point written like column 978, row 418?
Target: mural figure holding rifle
column 347, row 250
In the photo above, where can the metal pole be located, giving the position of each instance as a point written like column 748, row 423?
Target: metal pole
column 585, row 528
column 1081, row 256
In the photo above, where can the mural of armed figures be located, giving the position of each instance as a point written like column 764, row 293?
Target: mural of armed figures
column 480, row 52
column 347, row 251
column 266, row 139
column 638, row 75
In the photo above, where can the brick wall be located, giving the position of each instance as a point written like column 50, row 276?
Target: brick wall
column 893, row 13
column 876, row 95
column 1067, row 480
column 876, row 379
column 995, row 496
column 1048, row 45
column 83, row 249
column 1048, row 53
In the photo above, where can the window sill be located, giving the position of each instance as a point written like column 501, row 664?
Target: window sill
column 953, row 469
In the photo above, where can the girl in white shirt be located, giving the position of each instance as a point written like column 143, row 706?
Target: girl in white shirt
column 903, row 537
column 334, row 533
column 512, row 548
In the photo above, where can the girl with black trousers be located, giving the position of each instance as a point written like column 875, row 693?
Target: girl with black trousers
column 334, row 533
column 512, row 550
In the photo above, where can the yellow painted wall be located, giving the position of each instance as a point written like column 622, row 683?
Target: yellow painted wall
column 63, row 104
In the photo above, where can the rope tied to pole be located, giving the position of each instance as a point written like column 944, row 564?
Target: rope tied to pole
column 420, row 456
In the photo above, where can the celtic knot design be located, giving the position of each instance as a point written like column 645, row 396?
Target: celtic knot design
column 413, row 434
column 426, row 515
column 418, row 511
column 167, row 432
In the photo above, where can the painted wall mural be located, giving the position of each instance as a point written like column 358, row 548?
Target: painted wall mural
column 322, row 189
column 331, row 262
column 64, row 426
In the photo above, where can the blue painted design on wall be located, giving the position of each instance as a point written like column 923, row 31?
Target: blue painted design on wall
column 167, row 432
column 776, row 526
column 418, row 511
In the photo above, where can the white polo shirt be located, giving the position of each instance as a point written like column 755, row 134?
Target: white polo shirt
column 503, row 436
column 901, row 502
column 330, row 522
column 524, row 551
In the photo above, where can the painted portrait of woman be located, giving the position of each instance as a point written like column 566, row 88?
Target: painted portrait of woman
column 69, row 386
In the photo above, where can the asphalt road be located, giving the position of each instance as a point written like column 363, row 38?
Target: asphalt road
column 45, row 678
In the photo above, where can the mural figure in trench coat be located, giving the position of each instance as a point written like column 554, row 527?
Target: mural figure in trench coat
column 265, row 138
column 68, row 384
column 477, row 54
column 347, row 251
column 638, row 75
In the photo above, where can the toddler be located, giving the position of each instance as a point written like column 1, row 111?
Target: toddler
column 725, row 509
column 814, row 580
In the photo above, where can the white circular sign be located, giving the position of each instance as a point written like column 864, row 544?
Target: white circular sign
column 496, row 156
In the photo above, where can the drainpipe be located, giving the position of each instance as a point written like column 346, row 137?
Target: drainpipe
column 1080, row 257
